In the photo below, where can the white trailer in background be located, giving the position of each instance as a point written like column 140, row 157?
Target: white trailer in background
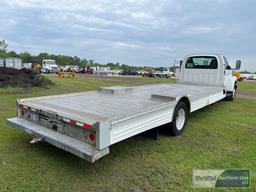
column 88, row 123
column 1, row 62
column 12, row 62
column 27, row 65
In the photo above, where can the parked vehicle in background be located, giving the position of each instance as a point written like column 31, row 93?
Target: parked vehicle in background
column 13, row 62
column 83, row 70
column 248, row 76
column 74, row 68
column 147, row 74
column 114, row 72
column 36, row 67
column 164, row 74
column 64, row 68
column 88, row 123
column 27, row 65
column 252, row 77
column 128, row 72
column 49, row 66
column 87, row 70
column 98, row 70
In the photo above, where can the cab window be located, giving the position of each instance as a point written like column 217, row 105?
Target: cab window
column 202, row 62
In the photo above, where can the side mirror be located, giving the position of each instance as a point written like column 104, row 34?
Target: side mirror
column 228, row 67
column 180, row 63
column 238, row 64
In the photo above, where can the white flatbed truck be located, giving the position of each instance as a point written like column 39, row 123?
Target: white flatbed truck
column 88, row 123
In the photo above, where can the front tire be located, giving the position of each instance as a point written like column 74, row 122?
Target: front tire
column 176, row 127
column 231, row 95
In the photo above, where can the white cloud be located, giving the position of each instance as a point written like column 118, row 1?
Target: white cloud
column 164, row 48
column 131, row 31
column 126, row 45
column 198, row 30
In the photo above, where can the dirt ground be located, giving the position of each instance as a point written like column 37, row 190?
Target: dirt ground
column 14, row 77
column 247, row 95
column 10, row 77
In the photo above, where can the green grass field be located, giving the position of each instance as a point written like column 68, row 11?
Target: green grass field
column 247, row 87
column 221, row 136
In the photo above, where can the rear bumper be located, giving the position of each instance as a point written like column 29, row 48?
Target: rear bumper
column 74, row 146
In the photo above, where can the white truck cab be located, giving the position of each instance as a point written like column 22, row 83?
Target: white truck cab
column 87, row 124
column 49, row 66
column 208, row 69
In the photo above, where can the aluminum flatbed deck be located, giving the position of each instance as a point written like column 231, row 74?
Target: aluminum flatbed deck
column 114, row 102
column 99, row 119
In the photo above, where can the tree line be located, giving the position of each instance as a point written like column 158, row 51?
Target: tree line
column 63, row 60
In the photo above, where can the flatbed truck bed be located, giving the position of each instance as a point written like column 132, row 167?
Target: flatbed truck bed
column 88, row 123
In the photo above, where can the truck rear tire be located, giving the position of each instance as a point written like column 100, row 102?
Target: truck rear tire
column 179, row 120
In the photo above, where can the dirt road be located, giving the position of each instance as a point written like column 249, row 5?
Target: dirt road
column 247, row 95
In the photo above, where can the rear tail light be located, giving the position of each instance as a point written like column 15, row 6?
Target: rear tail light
column 74, row 122
column 87, row 126
column 92, row 137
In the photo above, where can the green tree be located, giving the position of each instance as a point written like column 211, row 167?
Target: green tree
column 12, row 54
column 113, row 65
column 42, row 56
column 76, row 61
column 26, row 57
column 66, row 60
column 3, row 47
column 91, row 63
column 84, row 63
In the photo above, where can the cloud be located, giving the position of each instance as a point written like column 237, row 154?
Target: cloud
column 199, row 30
column 135, row 32
column 126, row 45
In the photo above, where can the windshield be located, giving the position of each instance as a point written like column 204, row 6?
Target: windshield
column 50, row 62
column 225, row 62
column 202, row 62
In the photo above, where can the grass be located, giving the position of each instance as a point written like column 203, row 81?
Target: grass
column 247, row 87
column 220, row 136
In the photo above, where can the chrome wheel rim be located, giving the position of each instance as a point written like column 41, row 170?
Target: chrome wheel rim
column 180, row 119
column 234, row 93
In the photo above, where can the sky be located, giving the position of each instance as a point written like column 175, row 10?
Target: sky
column 134, row 32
